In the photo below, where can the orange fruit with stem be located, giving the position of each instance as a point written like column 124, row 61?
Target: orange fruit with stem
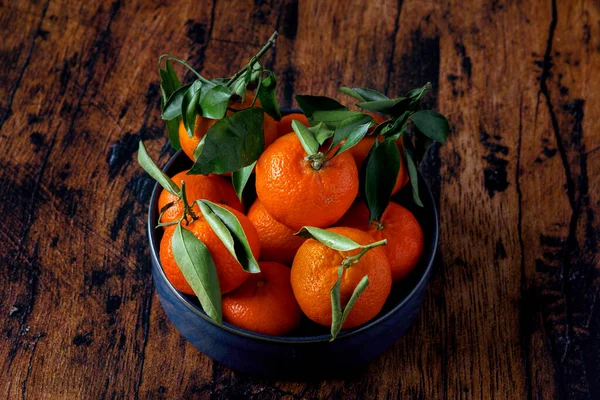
column 362, row 148
column 315, row 271
column 202, row 125
column 230, row 272
column 399, row 227
column 277, row 241
column 284, row 126
column 209, row 187
column 264, row 303
column 297, row 191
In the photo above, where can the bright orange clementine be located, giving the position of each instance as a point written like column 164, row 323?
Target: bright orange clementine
column 399, row 227
column 296, row 194
column 277, row 241
column 265, row 302
column 284, row 126
column 315, row 271
column 230, row 272
column 362, row 148
column 212, row 187
column 202, row 125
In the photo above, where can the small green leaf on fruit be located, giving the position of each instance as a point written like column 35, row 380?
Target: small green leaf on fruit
column 172, row 107
column 214, row 101
column 363, row 94
column 330, row 239
column 412, row 168
column 240, row 178
column 152, row 169
column 267, row 96
column 199, row 270
column 381, row 172
column 306, row 137
column 228, row 228
column 310, row 104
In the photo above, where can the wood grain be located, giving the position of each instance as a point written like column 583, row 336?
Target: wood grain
column 511, row 310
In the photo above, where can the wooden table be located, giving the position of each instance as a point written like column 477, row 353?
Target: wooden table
column 511, row 310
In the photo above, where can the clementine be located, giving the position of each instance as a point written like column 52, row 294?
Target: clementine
column 277, row 241
column 315, row 271
column 230, row 272
column 399, row 227
column 209, row 187
column 284, row 126
column 264, row 303
column 295, row 193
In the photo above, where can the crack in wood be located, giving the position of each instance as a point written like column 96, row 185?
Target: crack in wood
column 390, row 67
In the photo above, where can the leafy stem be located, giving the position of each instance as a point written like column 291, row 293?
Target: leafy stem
column 316, row 160
column 188, row 66
column 187, row 209
column 351, row 260
column 254, row 59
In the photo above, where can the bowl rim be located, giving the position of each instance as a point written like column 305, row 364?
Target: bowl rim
column 288, row 339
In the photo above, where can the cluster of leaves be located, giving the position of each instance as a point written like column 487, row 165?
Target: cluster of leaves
column 382, row 164
column 236, row 140
column 341, row 243
column 191, row 255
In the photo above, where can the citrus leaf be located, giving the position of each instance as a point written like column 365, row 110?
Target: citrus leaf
column 231, row 143
column 412, row 168
column 360, row 288
column 199, row 270
column 321, row 132
column 336, row 306
column 189, row 107
column 227, row 227
column 384, row 106
column 267, row 96
column 307, row 138
column 152, row 169
column 348, row 126
column 363, row 94
column 354, row 137
column 240, row 178
column 334, row 118
column 172, row 107
column 330, row 239
column 309, row 104
column 214, row 101
column 381, row 172
column 417, row 94
column 432, row 124
column 169, row 82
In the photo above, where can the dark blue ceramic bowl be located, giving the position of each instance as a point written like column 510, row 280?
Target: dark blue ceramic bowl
column 308, row 351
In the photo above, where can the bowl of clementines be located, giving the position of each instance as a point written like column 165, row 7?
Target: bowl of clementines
column 291, row 244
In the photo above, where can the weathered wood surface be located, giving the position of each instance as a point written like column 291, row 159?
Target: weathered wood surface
column 511, row 311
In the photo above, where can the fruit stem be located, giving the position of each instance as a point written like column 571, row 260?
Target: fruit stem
column 316, row 160
column 187, row 210
column 349, row 261
column 258, row 55
column 200, row 77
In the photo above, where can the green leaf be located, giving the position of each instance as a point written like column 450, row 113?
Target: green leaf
column 381, row 172
column 169, row 82
column 240, row 178
column 354, row 137
column 330, row 239
column 227, row 227
column 173, row 131
column 267, row 96
column 432, row 124
column 198, row 268
column 412, row 168
column 417, row 94
column 231, row 143
column 360, row 288
column 214, row 102
column 321, row 132
column 349, row 125
column 333, row 118
column 307, row 138
column 240, row 85
column 363, row 94
column 172, row 107
column 310, row 104
column 384, row 106
column 189, row 107
column 150, row 167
